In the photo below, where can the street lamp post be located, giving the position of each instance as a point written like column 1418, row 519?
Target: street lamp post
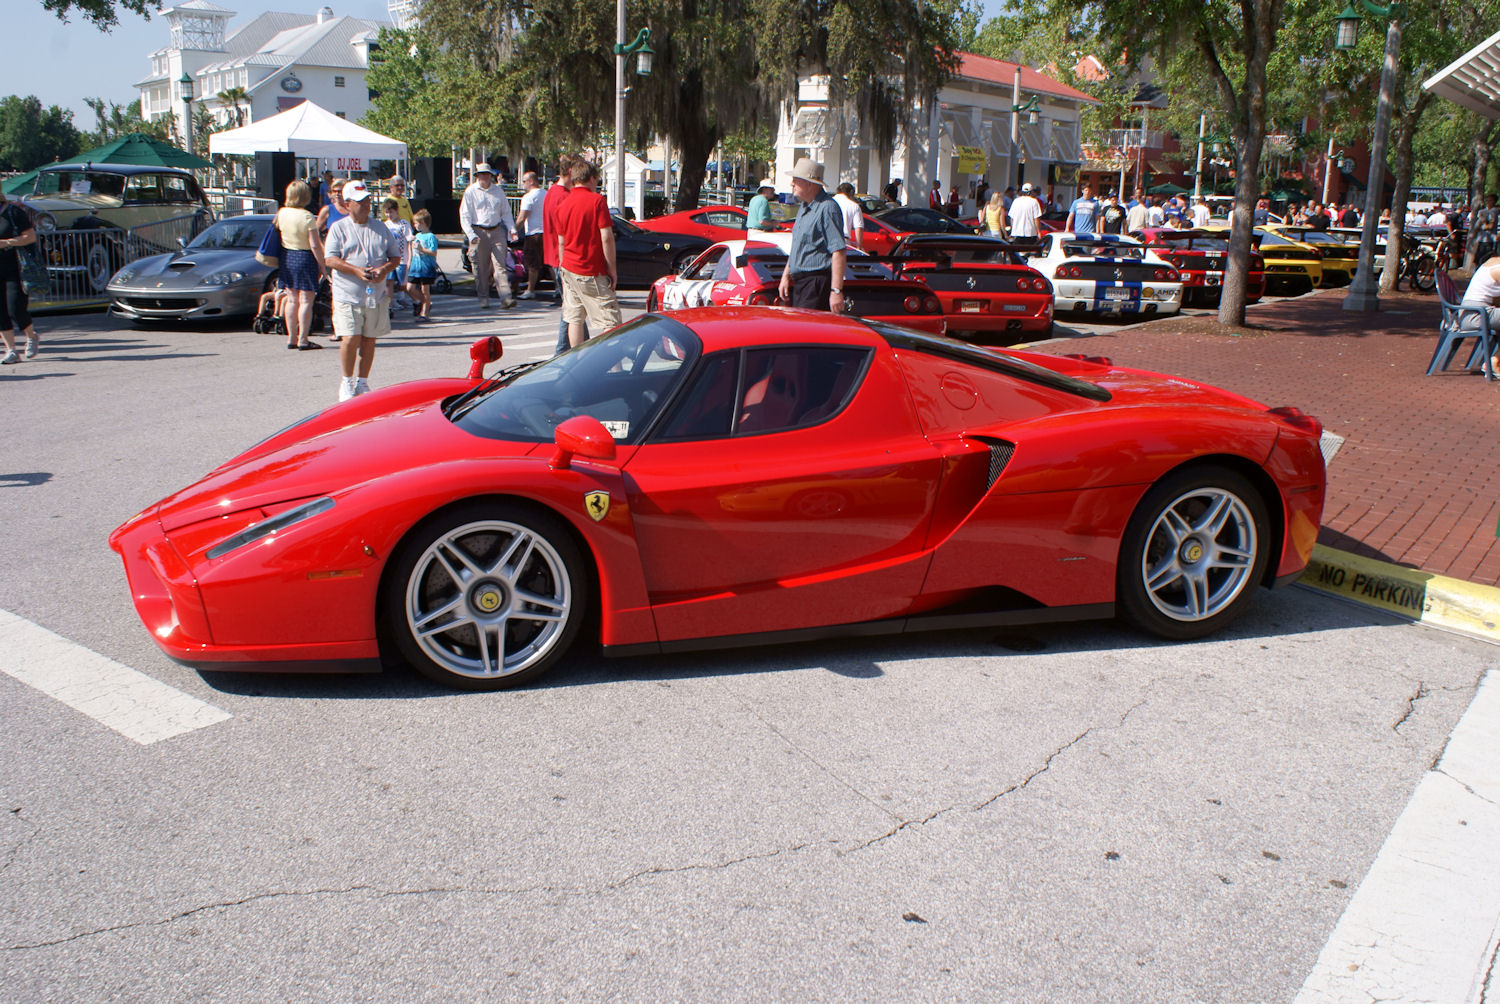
column 1363, row 291
column 1017, row 107
column 185, row 85
column 642, row 46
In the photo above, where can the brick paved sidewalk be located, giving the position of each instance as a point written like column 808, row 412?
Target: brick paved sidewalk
column 1418, row 481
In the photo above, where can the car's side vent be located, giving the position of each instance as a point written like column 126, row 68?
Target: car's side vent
column 1000, row 452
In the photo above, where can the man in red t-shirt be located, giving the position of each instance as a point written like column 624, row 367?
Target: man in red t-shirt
column 550, row 205
column 586, row 254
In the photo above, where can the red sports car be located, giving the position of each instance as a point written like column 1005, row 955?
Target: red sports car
column 722, row 477
column 1202, row 256
column 986, row 288
column 716, row 223
column 732, row 273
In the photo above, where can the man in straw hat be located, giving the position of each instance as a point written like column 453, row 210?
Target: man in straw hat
column 484, row 214
column 814, row 273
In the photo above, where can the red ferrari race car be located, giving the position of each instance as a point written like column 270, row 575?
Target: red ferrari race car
column 732, row 273
column 721, row 477
column 715, row 223
column 1202, row 256
column 985, row 286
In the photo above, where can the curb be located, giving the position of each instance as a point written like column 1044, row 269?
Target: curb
column 1424, row 597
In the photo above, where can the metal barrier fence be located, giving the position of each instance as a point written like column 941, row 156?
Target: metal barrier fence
column 71, row 268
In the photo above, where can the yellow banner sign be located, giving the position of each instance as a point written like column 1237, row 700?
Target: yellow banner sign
column 969, row 160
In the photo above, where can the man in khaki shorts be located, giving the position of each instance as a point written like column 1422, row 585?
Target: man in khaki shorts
column 586, row 251
column 359, row 252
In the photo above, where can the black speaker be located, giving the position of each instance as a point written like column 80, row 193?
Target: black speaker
column 444, row 214
column 433, row 177
column 273, row 172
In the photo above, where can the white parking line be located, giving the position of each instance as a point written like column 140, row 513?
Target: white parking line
column 1424, row 924
column 130, row 702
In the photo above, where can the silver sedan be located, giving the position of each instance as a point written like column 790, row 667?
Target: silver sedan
column 216, row 275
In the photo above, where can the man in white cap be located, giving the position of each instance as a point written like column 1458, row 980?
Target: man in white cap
column 359, row 252
column 484, row 214
column 759, row 209
column 1024, row 213
column 815, row 267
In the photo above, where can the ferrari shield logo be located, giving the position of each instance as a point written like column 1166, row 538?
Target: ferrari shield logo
column 596, row 504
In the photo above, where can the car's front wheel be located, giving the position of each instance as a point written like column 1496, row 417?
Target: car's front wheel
column 1193, row 552
column 486, row 595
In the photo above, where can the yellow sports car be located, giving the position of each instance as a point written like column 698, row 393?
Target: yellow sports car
column 1291, row 268
column 1340, row 257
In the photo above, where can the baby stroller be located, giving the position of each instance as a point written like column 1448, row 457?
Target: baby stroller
column 515, row 266
column 268, row 320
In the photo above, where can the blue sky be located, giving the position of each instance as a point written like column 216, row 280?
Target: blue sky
column 63, row 63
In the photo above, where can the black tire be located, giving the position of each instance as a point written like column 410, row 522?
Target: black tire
column 442, row 285
column 1193, row 553
column 1424, row 274
column 682, row 261
column 456, row 575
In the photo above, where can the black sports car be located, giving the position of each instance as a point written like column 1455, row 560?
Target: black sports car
column 643, row 256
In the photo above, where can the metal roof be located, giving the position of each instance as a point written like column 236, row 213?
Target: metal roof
column 1472, row 80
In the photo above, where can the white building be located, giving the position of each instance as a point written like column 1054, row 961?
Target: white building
column 962, row 137
column 279, row 59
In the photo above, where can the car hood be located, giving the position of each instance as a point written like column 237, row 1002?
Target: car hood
column 66, row 202
column 193, row 264
column 397, row 429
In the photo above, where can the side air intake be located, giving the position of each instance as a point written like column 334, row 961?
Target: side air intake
column 1000, row 452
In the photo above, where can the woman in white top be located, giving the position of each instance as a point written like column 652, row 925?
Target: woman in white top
column 1484, row 293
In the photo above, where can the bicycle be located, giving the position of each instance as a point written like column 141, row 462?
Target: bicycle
column 1419, row 266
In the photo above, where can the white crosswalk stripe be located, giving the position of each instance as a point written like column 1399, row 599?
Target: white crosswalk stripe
column 113, row 694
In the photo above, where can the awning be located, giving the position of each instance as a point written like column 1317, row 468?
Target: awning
column 1473, row 79
column 311, row 131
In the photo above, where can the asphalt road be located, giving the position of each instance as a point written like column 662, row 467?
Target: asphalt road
column 1067, row 814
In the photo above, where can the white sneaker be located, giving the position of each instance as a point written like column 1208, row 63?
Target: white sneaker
column 347, row 388
column 528, row 295
column 31, row 348
column 361, row 386
column 10, row 358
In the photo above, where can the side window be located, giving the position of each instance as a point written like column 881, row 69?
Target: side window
column 796, row 386
column 724, row 268
column 708, row 403
column 704, row 267
column 724, row 219
column 174, row 189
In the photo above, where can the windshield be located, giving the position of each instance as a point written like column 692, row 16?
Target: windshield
column 621, row 223
column 80, row 183
column 623, row 379
column 1314, row 237
column 1194, row 243
column 962, row 254
column 1102, row 249
column 245, row 234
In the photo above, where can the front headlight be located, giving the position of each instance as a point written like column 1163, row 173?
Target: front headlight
column 221, row 278
column 124, row 275
column 267, row 527
column 45, row 223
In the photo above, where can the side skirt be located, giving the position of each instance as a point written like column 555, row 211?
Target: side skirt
column 870, row 629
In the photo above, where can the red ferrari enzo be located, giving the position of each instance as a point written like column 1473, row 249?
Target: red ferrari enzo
column 722, row 477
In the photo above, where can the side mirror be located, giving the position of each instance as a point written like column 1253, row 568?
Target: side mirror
column 582, row 436
column 482, row 352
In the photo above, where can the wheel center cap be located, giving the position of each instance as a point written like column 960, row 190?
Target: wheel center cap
column 1192, row 551
column 488, row 598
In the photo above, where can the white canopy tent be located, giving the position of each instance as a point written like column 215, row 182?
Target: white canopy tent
column 1472, row 80
column 311, row 133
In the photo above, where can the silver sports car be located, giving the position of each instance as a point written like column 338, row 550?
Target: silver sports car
column 216, row 275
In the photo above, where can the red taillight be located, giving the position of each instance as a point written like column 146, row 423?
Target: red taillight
column 913, row 304
column 1300, row 419
column 1161, row 275
column 1023, row 283
column 1074, row 272
column 931, row 305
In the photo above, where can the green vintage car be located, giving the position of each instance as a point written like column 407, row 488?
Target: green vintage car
column 93, row 218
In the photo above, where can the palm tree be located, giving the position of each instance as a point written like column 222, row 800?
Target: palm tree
column 231, row 97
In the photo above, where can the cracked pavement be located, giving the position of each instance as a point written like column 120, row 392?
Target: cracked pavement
column 1095, row 817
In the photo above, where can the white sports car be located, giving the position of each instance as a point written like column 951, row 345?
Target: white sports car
column 1107, row 274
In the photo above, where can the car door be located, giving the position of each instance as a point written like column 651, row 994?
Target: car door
column 789, row 487
column 693, row 287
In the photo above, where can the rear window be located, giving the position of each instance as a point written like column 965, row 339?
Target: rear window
column 1102, row 249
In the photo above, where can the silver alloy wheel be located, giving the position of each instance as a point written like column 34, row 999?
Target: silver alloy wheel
column 1199, row 554
column 488, row 599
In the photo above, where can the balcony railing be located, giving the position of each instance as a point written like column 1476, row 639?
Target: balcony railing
column 1135, row 139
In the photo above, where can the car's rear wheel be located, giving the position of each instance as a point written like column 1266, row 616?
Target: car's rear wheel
column 682, row 261
column 486, row 595
column 1193, row 552
column 98, row 266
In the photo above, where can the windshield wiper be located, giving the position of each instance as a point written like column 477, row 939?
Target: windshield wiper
column 450, row 410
